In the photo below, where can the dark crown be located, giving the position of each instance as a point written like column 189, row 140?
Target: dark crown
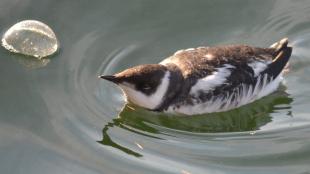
column 145, row 78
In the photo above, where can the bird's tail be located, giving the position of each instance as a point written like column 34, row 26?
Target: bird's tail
column 281, row 57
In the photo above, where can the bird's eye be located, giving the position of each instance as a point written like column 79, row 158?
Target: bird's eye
column 146, row 87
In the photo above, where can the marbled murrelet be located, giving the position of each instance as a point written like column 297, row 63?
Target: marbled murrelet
column 205, row 79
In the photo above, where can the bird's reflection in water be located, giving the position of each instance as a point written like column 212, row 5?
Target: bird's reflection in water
column 246, row 118
column 106, row 140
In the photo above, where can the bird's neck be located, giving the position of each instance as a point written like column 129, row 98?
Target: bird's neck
column 175, row 85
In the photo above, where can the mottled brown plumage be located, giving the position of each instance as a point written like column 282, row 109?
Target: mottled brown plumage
column 202, row 61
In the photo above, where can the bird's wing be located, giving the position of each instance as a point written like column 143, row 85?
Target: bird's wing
column 208, row 68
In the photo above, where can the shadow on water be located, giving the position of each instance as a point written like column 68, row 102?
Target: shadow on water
column 250, row 117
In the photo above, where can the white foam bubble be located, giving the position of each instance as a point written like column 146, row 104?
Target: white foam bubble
column 30, row 37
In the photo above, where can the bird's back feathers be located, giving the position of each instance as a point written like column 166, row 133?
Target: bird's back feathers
column 212, row 74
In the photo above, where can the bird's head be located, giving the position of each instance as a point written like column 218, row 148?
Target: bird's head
column 143, row 85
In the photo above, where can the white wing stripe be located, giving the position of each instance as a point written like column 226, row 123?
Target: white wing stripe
column 209, row 82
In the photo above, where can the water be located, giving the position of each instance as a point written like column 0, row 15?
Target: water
column 59, row 118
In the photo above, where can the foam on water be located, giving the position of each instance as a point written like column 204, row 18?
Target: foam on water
column 30, row 37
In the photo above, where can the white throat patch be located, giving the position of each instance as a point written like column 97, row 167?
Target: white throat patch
column 151, row 101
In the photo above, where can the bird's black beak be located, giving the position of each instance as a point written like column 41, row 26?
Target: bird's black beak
column 110, row 78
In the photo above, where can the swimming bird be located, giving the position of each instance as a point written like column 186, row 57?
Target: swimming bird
column 205, row 79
